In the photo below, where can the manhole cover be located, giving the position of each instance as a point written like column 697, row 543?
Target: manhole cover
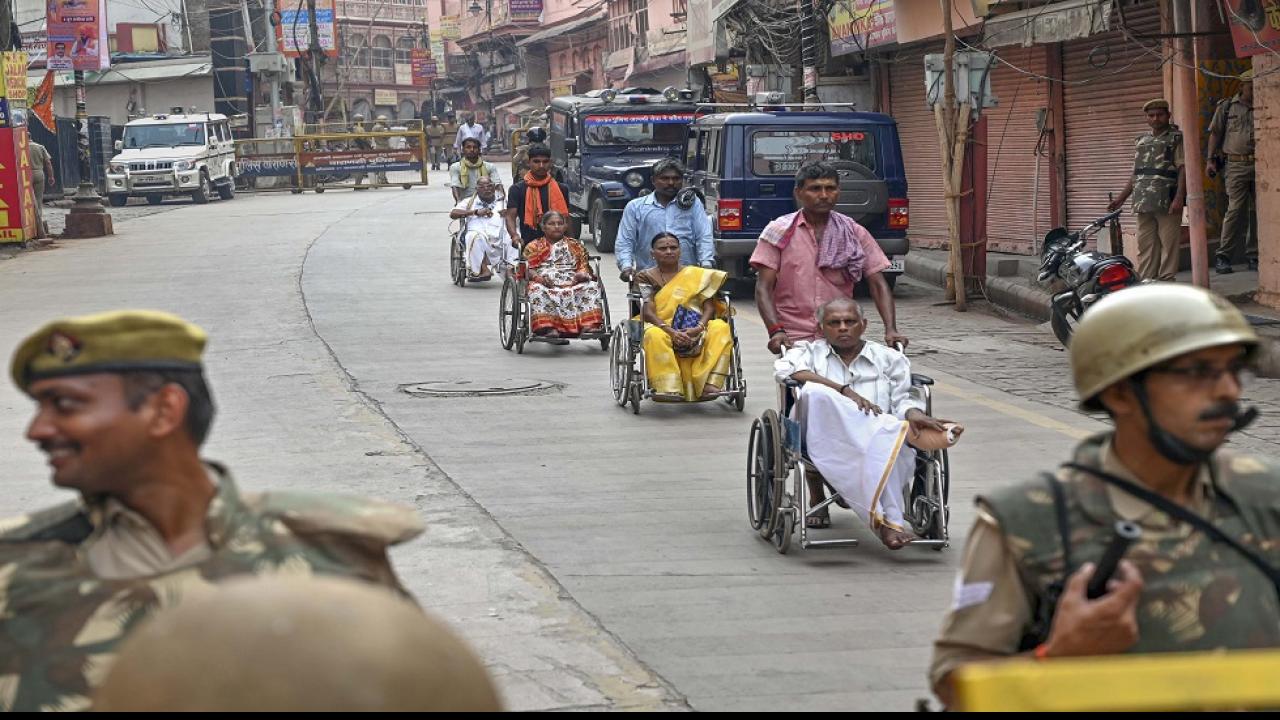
column 481, row 388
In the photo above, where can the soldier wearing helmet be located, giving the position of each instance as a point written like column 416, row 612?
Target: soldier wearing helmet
column 1166, row 363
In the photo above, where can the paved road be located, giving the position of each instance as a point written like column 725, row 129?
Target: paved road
column 596, row 559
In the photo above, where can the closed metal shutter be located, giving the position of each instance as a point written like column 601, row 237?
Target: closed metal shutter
column 1013, row 219
column 919, row 135
column 1107, row 79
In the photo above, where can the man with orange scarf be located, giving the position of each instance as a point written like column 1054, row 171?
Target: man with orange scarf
column 534, row 195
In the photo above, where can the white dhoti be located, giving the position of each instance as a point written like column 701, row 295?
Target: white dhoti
column 483, row 246
column 863, row 457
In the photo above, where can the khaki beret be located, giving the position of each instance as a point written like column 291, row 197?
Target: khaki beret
column 1157, row 104
column 108, row 342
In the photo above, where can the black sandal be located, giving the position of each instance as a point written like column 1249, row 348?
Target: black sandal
column 818, row 522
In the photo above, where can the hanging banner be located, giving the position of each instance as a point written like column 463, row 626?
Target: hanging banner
column 294, row 30
column 1255, row 26
column 860, row 24
column 15, row 78
column 437, row 52
column 78, row 35
column 423, row 66
column 523, row 10
column 451, row 27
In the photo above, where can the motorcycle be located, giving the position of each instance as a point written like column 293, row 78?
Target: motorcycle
column 1088, row 275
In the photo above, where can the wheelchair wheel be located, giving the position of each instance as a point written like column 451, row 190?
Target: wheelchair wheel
column 620, row 366
column 508, row 313
column 764, row 484
column 604, row 305
column 785, row 528
column 457, row 263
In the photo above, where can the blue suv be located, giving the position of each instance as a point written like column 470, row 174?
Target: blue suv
column 744, row 164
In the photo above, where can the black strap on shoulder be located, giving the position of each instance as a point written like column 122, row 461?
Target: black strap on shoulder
column 1045, row 604
column 1181, row 513
column 1064, row 526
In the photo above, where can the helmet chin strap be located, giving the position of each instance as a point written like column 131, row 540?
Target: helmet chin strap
column 1166, row 443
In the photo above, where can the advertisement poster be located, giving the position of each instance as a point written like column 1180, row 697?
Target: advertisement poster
column 526, row 9
column 437, row 52
column 424, row 66
column 78, row 35
column 14, row 65
column 294, row 30
column 450, row 27
column 17, row 198
column 354, row 161
column 1255, row 25
column 861, row 24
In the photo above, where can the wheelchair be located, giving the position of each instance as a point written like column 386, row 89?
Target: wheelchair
column 778, row 496
column 627, row 374
column 514, row 314
column 458, row 273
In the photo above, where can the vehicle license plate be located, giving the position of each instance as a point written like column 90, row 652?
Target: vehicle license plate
column 897, row 266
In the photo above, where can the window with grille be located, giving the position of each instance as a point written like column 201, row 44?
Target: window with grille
column 381, row 54
column 628, row 23
column 404, row 49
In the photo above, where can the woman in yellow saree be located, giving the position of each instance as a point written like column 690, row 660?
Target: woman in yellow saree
column 686, row 346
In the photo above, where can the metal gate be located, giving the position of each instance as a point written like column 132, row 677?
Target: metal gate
column 1107, row 79
column 919, row 136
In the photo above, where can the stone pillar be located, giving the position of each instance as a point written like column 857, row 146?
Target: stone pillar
column 1266, row 132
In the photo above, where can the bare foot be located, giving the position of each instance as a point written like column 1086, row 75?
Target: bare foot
column 893, row 539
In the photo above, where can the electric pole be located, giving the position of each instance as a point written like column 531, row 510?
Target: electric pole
column 809, row 48
column 315, row 61
column 953, row 128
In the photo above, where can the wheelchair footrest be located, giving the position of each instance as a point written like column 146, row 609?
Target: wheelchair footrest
column 820, row 544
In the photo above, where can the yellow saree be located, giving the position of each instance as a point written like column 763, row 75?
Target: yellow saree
column 670, row 374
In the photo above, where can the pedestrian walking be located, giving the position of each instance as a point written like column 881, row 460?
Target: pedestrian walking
column 1231, row 144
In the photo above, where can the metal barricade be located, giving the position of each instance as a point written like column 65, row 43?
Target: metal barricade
column 344, row 159
column 1232, row 680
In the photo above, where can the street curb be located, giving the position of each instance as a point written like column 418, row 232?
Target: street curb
column 1009, row 294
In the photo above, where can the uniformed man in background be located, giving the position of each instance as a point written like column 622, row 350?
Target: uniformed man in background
column 122, row 408
column 1159, row 189
column 361, row 143
column 1166, row 362
column 1231, row 143
column 383, row 124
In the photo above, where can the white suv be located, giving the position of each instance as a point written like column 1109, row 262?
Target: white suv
column 190, row 155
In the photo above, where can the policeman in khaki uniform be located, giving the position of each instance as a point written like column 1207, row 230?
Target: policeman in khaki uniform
column 1165, row 362
column 122, row 408
column 1158, row 186
column 382, row 124
column 1231, row 134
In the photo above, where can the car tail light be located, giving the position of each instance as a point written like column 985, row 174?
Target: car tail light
column 729, row 215
column 899, row 213
column 1114, row 277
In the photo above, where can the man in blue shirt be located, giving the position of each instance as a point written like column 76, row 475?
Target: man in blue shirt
column 660, row 211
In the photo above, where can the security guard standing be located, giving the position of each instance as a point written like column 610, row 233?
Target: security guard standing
column 361, row 143
column 1231, row 135
column 435, row 141
column 122, row 408
column 1158, row 186
column 1165, row 362
column 383, row 124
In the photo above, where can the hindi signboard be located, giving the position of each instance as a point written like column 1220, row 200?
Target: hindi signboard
column 294, row 30
column 423, row 66
column 861, row 24
column 355, row 161
column 524, row 10
column 451, row 27
column 1255, row 26
column 78, row 35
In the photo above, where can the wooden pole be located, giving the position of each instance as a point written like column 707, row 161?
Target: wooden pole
column 953, row 127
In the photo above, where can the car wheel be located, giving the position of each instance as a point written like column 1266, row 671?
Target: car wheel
column 200, row 195
column 154, row 199
column 118, row 200
column 227, row 191
column 604, row 227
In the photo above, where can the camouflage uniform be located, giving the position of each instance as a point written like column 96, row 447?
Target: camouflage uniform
column 1233, row 122
column 1197, row 595
column 381, row 143
column 60, row 622
column 1155, row 181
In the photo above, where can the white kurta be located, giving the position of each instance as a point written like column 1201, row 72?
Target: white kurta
column 864, row 457
column 486, row 237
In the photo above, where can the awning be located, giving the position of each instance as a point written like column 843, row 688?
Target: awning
column 1056, row 22
column 720, row 8
column 510, row 105
column 558, row 30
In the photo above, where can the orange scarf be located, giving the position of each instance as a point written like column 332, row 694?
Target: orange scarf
column 533, row 209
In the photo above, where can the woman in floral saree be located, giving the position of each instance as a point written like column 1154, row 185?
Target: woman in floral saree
column 564, row 298
column 687, row 348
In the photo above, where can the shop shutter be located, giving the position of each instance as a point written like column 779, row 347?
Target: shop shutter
column 1107, row 79
column 1016, row 213
column 919, row 136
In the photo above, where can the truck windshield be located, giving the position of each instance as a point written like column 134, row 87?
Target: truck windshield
column 783, row 152
column 636, row 128
column 170, row 135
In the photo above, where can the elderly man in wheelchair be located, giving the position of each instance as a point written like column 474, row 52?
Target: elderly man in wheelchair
column 482, row 243
column 861, row 424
